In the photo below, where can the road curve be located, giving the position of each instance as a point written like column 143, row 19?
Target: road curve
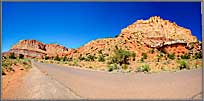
column 185, row 84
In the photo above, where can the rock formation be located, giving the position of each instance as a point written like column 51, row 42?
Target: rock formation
column 36, row 49
column 140, row 37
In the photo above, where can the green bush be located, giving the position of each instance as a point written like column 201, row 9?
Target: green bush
column 90, row 58
column 142, row 59
column 121, row 56
column 101, row 58
column 64, row 58
column 57, row 58
column 81, row 58
column 182, row 65
column 100, row 52
column 124, row 66
column 75, row 63
column 143, row 68
column 112, row 67
column 21, row 56
column 198, row 55
column 46, row 57
column 144, row 55
column 151, row 51
column 159, row 56
column 185, row 56
column 171, row 56
column 12, row 56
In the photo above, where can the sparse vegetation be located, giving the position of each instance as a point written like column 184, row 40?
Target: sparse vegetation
column 101, row 58
column 182, row 65
column 121, row 56
column 75, row 63
column 112, row 67
column 64, row 58
column 124, row 66
column 21, row 56
column 198, row 55
column 7, row 64
column 159, row 56
column 81, row 58
column 46, row 57
column 151, row 51
column 185, row 56
column 12, row 56
column 57, row 58
column 90, row 58
column 171, row 56
column 143, row 68
column 144, row 56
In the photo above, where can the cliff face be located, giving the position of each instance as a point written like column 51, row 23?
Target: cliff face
column 140, row 37
column 143, row 36
column 36, row 49
column 53, row 49
column 156, row 29
column 30, row 45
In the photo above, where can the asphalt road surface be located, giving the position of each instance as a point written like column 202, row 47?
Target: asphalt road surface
column 48, row 81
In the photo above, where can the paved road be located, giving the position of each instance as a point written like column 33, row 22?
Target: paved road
column 47, row 81
column 102, row 85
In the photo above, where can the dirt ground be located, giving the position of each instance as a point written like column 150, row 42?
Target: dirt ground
column 12, row 80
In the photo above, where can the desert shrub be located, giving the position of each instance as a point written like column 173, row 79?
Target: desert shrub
column 101, row 58
column 182, row 65
column 185, row 56
column 112, row 67
column 144, row 55
column 57, row 58
column 198, row 55
column 3, row 72
column 12, row 56
column 121, row 56
column 124, row 66
column 64, row 58
column 90, row 58
column 46, row 57
column 143, row 68
column 142, row 59
column 6, row 63
column 81, row 58
column 21, row 56
column 100, row 52
column 75, row 63
column 151, row 51
column 159, row 56
column 171, row 56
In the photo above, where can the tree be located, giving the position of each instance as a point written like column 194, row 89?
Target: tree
column 21, row 56
column 12, row 56
column 121, row 56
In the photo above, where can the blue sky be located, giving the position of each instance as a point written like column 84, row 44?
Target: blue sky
column 73, row 24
